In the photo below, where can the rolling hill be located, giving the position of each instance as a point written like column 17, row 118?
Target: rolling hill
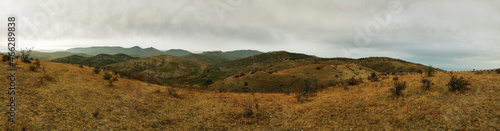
column 95, row 61
column 386, row 64
column 59, row 96
column 161, row 67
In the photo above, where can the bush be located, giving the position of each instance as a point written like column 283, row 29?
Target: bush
column 33, row 68
column 107, row 76
column 395, row 78
column 457, row 84
column 113, row 79
column 426, row 84
column 249, row 107
column 44, row 78
column 97, row 70
column 353, row 81
column 81, row 66
column 498, row 71
column 25, row 54
column 430, row 71
column 398, row 88
column 5, row 58
column 172, row 92
column 37, row 63
column 304, row 89
column 373, row 77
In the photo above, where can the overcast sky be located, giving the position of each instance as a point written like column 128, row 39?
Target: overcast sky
column 451, row 35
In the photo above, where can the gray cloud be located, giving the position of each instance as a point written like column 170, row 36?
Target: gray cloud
column 444, row 33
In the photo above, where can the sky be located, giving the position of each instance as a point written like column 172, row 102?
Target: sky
column 447, row 34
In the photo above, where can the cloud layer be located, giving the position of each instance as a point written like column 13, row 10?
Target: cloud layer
column 448, row 34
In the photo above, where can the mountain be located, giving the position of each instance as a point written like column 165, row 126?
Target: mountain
column 96, row 61
column 137, row 51
column 47, row 56
column 133, row 51
column 177, row 52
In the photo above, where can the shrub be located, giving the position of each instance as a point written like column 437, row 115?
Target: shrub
column 248, row 107
column 37, row 63
column 33, row 68
column 208, row 82
column 44, row 78
column 112, row 79
column 426, row 84
column 395, row 78
column 398, row 88
column 498, row 71
column 5, row 58
column 457, row 84
column 304, row 89
column 172, row 92
column 81, row 66
column 430, row 71
column 352, row 81
column 25, row 54
column 97, row 70
column 107, row 76
column 373, row 77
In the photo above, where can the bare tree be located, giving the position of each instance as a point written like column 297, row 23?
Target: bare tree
column 25, row 54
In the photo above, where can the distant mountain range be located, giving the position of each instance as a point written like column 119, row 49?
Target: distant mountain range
column 226, row 69
column 133, row 51
column 139, row 52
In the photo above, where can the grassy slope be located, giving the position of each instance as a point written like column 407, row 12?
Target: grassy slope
column 71, row 102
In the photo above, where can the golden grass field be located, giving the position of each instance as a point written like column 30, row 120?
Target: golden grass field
column 79, row 99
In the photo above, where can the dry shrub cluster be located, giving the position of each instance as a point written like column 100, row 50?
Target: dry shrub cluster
column 373, row 77
column 458, row 84
column 426, row 84
column 398, row 88
column 353, row 81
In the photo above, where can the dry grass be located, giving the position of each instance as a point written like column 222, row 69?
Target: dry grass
column 81, row 99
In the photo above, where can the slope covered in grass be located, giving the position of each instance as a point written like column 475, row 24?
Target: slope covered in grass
column 79, row 99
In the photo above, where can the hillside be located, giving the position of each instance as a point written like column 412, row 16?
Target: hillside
column 68, row 97
column 313, row 75
column 385, row 64
column 161, row 67
column 99, row 60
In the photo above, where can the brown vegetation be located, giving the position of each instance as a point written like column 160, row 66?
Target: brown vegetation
column 78, row 99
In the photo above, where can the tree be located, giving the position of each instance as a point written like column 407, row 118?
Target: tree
column 25, row 54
